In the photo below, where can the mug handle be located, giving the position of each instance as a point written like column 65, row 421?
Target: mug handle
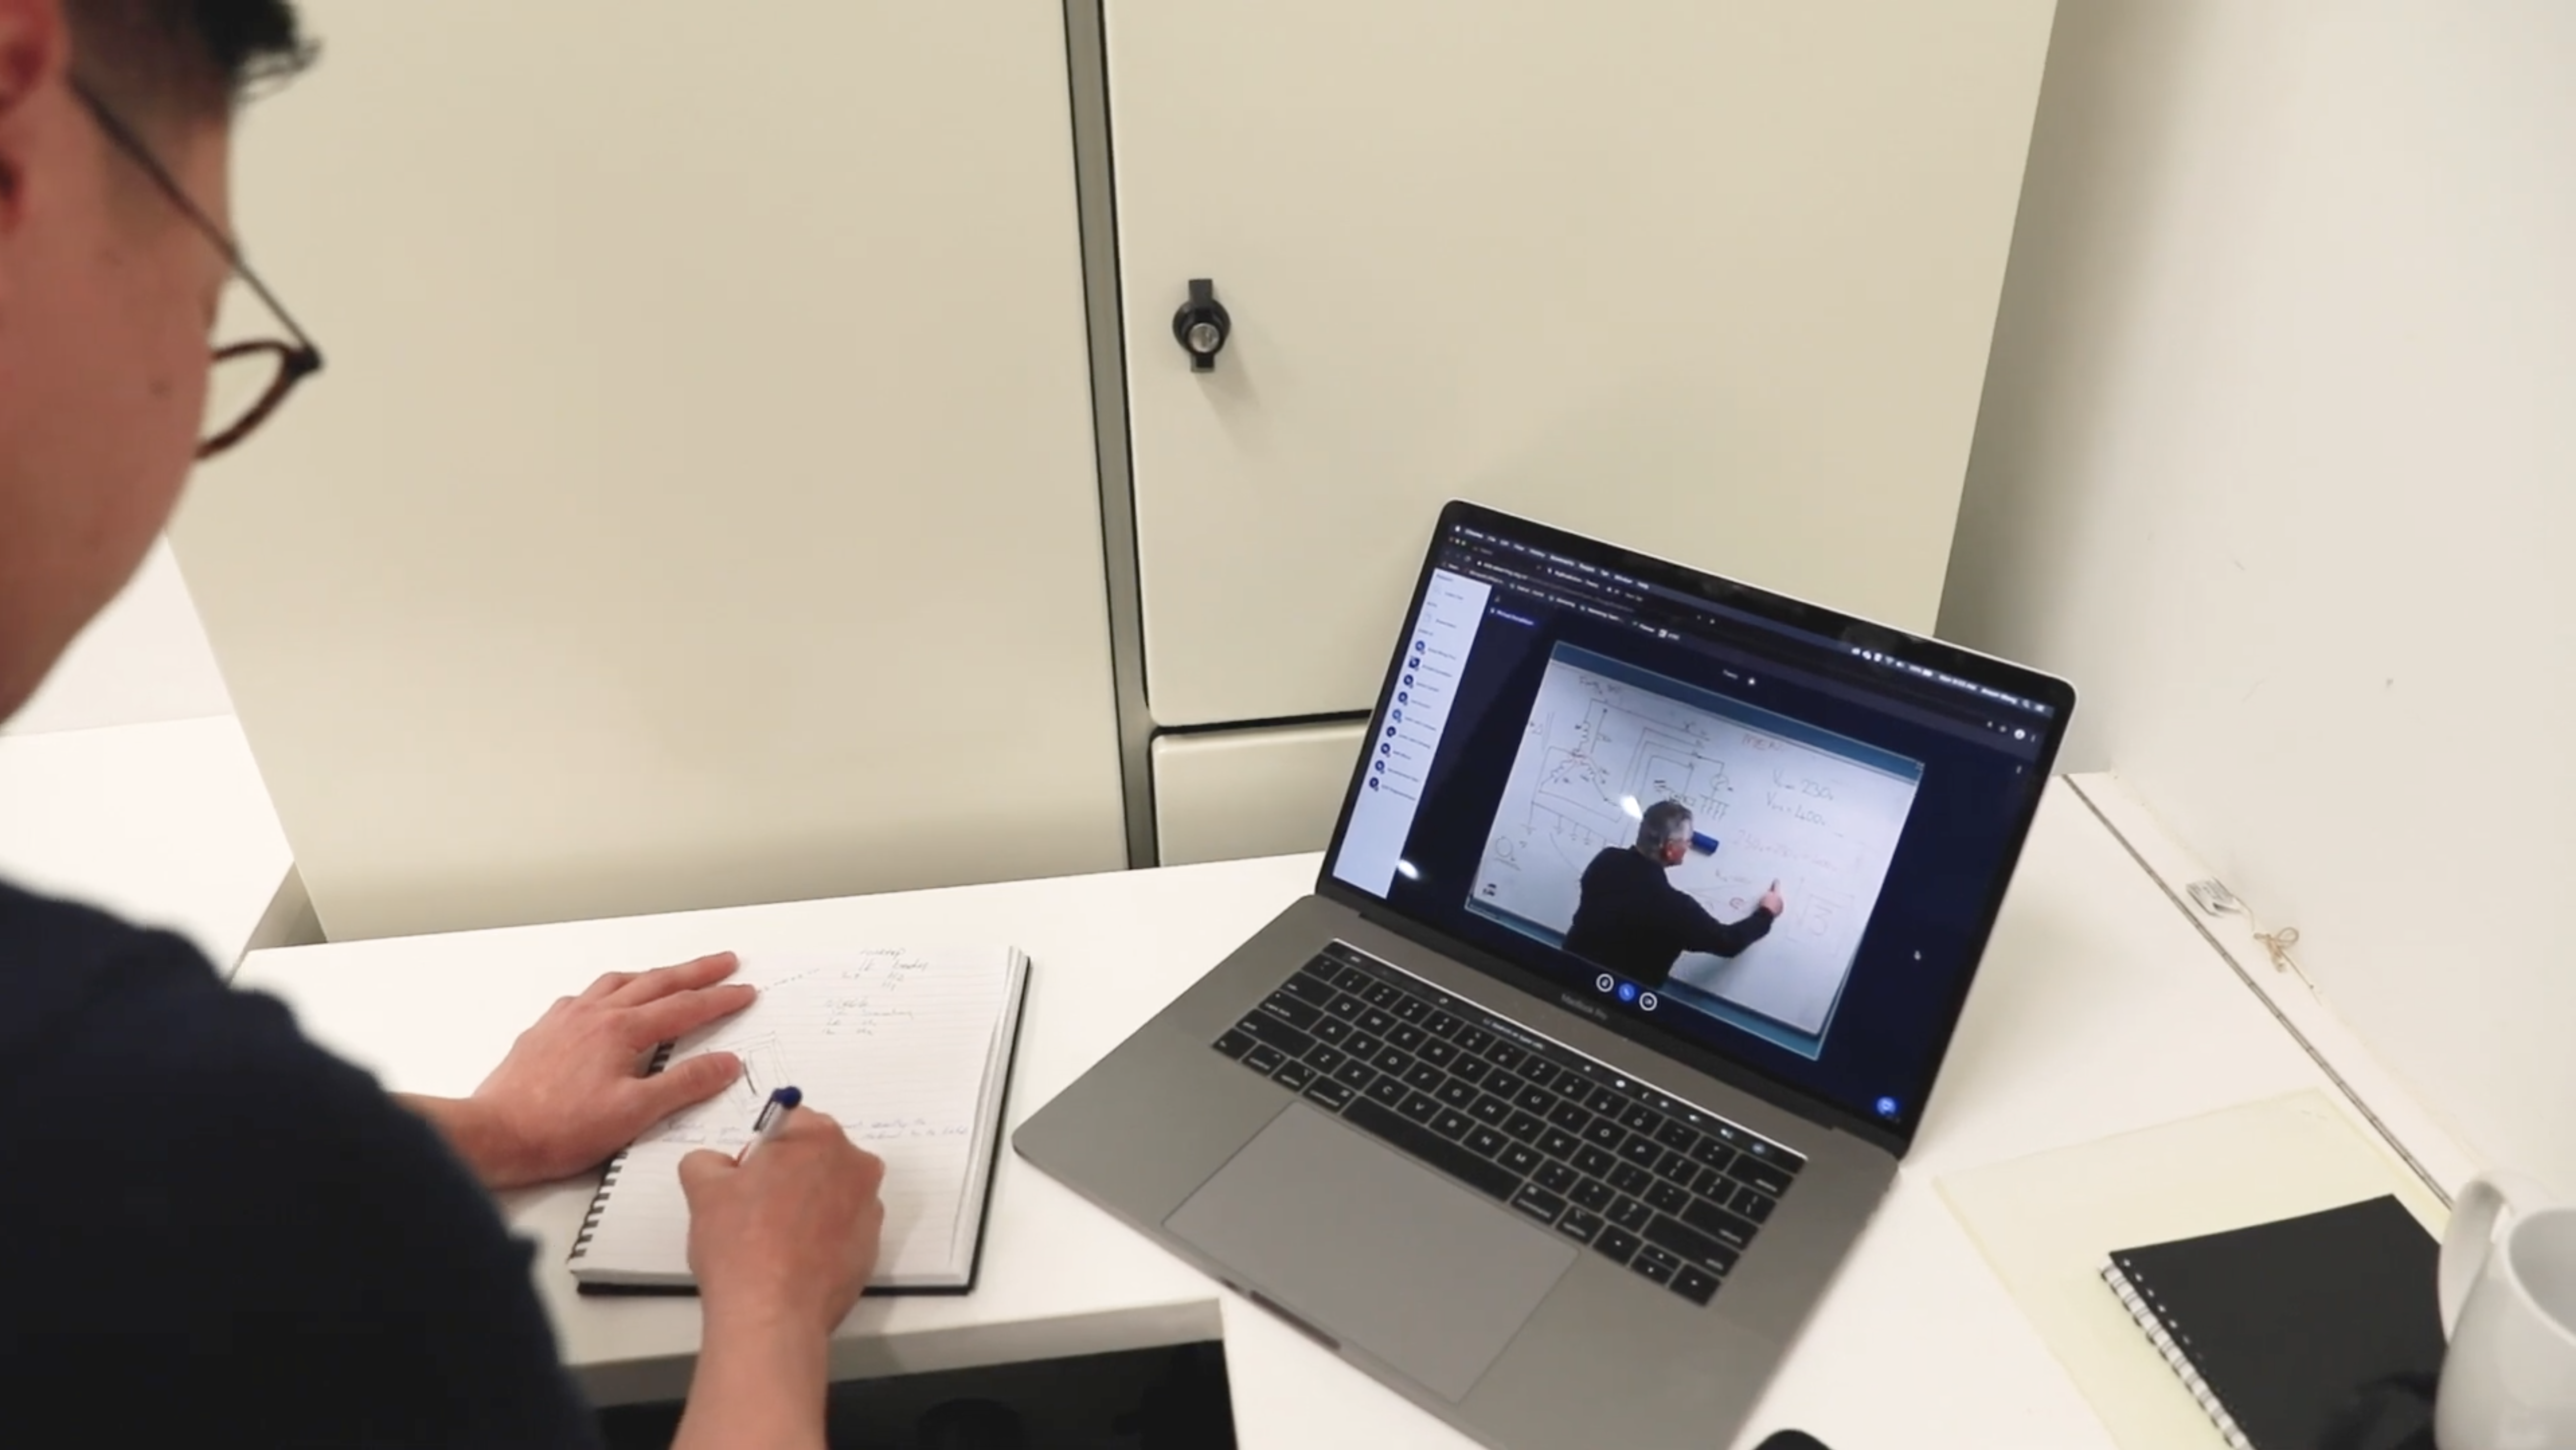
column 2486, row 1208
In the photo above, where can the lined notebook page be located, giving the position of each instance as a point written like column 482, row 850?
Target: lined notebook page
column 895, row 1043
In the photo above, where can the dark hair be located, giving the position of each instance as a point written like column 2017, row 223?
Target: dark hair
column 184, row 55
column 1665, row 822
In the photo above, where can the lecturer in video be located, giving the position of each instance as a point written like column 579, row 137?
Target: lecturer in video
column 1635, row 922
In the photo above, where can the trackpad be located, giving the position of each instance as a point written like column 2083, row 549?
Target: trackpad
column 1374, row 1248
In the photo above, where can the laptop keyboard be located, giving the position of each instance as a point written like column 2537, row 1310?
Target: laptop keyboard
column 1672, row 1192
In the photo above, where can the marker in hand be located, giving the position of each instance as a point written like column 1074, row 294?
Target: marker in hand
column 773, row 1116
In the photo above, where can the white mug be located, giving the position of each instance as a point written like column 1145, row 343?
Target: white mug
column 2508, row 1291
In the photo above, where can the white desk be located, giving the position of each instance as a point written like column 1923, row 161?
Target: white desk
column 2099, row 1010
column 165, row 824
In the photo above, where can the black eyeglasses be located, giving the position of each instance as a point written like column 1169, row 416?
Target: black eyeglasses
column 247, row 380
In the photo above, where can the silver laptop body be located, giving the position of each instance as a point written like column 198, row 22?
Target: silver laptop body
column 1494, row 1114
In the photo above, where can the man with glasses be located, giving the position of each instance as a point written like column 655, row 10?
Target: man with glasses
column 209, row 1228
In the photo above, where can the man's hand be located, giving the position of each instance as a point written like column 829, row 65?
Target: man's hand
column 571, row 1090
column 788, row 1237
column 1771, row 901
column 781, row 1246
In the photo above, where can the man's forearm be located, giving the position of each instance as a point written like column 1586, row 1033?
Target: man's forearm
column 475, row 1137
column 760, row 1382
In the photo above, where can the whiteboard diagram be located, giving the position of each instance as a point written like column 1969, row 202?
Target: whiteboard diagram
column 1781, row 800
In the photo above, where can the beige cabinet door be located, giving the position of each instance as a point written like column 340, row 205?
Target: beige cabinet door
column 1227, row 794
column 698, row 506
column 1712, row 278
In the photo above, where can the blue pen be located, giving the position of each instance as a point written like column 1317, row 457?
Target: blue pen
column 773, row 1115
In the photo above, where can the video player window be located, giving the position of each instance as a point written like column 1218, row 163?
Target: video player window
column 1709, row 852
column 1708, row 821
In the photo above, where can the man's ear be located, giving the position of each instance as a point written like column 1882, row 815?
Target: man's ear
column 35, row 52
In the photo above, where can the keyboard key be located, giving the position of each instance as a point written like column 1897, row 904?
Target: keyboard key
column 1331, row 1093
column 1264, row 1059
column 1310, row 987
column 1373, row 1020
column 1486, row 1177
column 1455, row 1093
column 1658, row 1271
column 1606, row 1133
column 1674, row 1166
column 1641, row 1150
column 1490, row 1111
column 1677, row 1136
column 1695, row 1284
column 1669, row 1197
column 1435, row 1050
column 1324, row 1058
column 1607, row 1099
column 1473, row 1069
column 1345, row 1006
column 1781, row 1159
column 1420, row 1107
column 1629, row 1213
column 1592, row 1193
column 1233, row 1044
column 1539, row 1071
column 1486, row 1141
column 1355, row 1075
column 1451, row 1123
column 1595, row 1161
column 1379, row 994
column 1360, row 1043
column 1474, row 1039
column 1424, row 1076
column 1264, row 1028
column 1641, row 1119
column 1690, row 1244
column 1713, row 1153
column 1411, row 1009
column 1757, row 1174
column 1338, row 1032
column 1753, row 1205
column 1441, row 1025
column 1390, row 1060
column 1570, row 1116
column 1579, row 1225
column 1502, row 1084
column 1524, row 1127
column 1404, row 1035
column 1519, row 1159
column 1538, row 1203
column 1716, row 1222
column 1300, row 1015
column 1714, row 1186
column 1553, row 1176
column 1388, row 1089
column 1629, row 1178
column 1506, row 1054
column 1293, row 1076
column 1615, row 1243
column 1558, row 1143
column 1535, row 1099
column 1351, row 978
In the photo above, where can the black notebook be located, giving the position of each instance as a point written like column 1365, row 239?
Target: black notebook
column 2275, row 1328
column 909, row 1048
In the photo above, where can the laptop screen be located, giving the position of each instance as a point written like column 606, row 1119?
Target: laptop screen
column 1698, row 810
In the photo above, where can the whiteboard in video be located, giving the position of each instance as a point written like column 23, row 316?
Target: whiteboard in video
column 1782, row 803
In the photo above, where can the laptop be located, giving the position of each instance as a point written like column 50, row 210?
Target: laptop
column 1653, row 901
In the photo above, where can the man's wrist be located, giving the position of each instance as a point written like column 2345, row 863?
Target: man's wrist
column 476, row 1134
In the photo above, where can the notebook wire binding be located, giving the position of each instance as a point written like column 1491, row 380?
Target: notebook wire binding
column 2143, row 1310
column 608, row 1179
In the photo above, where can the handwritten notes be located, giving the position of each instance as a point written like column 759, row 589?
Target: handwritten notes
column 899, row 1045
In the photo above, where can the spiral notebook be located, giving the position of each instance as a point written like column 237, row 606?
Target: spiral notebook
column 2276, row 1328
column 909, row 1048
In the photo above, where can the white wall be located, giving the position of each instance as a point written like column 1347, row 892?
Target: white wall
column 2278, row 462
column 144, row 659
